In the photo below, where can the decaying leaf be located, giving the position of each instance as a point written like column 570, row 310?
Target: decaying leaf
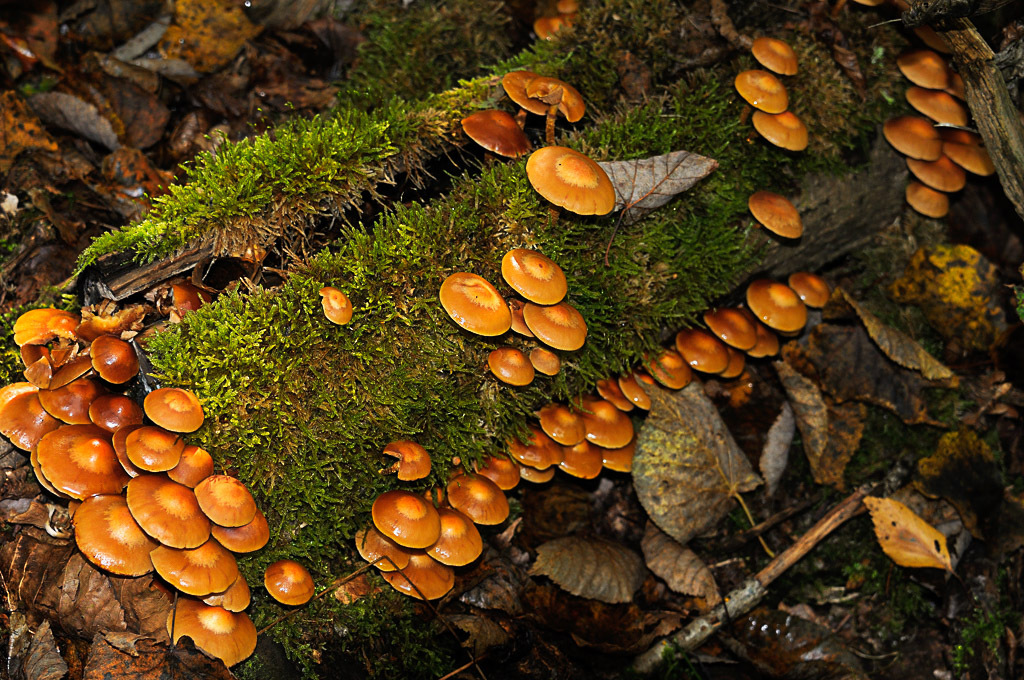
column 591, row 567
column 687, row 468
column 151, row 660
column 71, row 113
column 44, row 661
column 775, row 453
column 851, row 367
column 19, row 130
column 645, row 184
column 958, row 289
column 964, row 472
column 896, row 345
column 845, row 430
column 206, row 33
column 906, row 538
column 811, row 414
column 483, row 633
column 678, row 566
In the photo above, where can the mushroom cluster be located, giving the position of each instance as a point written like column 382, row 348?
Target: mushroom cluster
column 938, row 158
column 547, row 25
column 762, row 90
column 416, row 544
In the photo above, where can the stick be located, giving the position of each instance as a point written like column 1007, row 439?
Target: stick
column 746, row 597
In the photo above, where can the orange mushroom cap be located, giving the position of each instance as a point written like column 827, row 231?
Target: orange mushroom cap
column 737, row 360
column 813, row 290
column 776, row 305
column 200, row 571
column 431, row 578
column 225, row 500
column 235, row 599
column 620, row 459
column 168, row 511
column 925, row 68
column 784, row 130
column 228, row 636
column 511, row 366
column 767, row 343
column 570, row 180
column 913, row 136
column 459, row 542
column 609, row 389
column 195, row 465
column 408, row 519
column 732, row 327
column 474, row 304
column 501, row 471
column 114, row 411
column 478, row 498
column 289, row 582
column 776, row 213
column 496, row 131
column 671, row 370
column 514, row 83
column 927, row 201
column 553, row 91
column 701, row 350
column 246, row 538
column 71, row 403
column 536, row 476
column 775, row 55
column 174, row 409
column 79, row 460
column 534, row 275
column 110, row 538
column 114, row 359
column 413, row 460
column 373, row 545
column 562, row 424
column 941, row 174
column 515, row 306
column 153, row 448
column 560, row 326
column 632, row 390
column 23, row 419
column 545, row 361
column 762, row 90
column 966, row 150
column 541, row 452
column 584, row 460
column 336, row 305
column 40, row 326
column 606, row 425
column 937, row 105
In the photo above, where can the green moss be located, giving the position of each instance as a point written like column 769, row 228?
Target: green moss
column 982, row 630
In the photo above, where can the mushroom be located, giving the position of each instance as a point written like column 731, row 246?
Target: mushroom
column 372, row 546
column 562, row 424
column 114, row 359
column 775, row 55
column 407, row 519
column 534, row 275
column 289, row 583
column 117, row 440
column 632, row 390
column 515, row 306
column 501, row 471
column 913, row 136
column 153, row 448
column 228, row 636
column 23, row 419
column 813, row 290
column 732, row 327
column 927, row 201
column 459, row 542
column 423, row 577
column 195, row 465
column 511, row 366
column 606, row 425
column 498, row 132
column 937, row 105
column 584, row 460
column 174, row 409
column 620, row 459
column 560, row 96
column 200, row 571
column 336, row 305
column 925, row 68
column 941, row 174
column 545, row 361
column 478, row 498
column 70, row 404
column 701, row 350
column 776, row 213
column 225, row 500
column 474, row 304
column 246, row 538
column 560, row 326
column 776, row 305
column 784, row 130
column 79, row 460
column 540, row 453
column 40, row 326
column 570, row 180
column 109, row 538
column 413, row 460
column 965, row 149
column 234, row 599
column 113, row 411
column 762, row 90
column 670, row 369
column 168, row 511
column 737, row 360
column 767, row 343
column 609, row 389
column 536, row 476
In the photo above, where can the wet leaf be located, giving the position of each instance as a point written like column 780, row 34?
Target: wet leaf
column 19, row 130
column 783, row 645
column 811, row 415
column 964, row 472
column 591, row 567
column 958, row 290
column 44, row 661
column 851, row 366
column 678, row 566
column 151, row 661
column 687, row 467
column 499, row 583
column 206, row 33
column 645, row 184
column 32, row 565
column 906, row 538
column 775, row 454
column 896, row 345
column 71, row 113
column 483, row 633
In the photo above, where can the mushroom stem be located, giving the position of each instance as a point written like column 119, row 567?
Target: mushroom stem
column 549, row 125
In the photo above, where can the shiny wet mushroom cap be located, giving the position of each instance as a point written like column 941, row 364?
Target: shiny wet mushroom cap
column 23, row 419
column 406, row 518
column 564, row 425
column 210, row 568
column 732, row 327
column 167, row 511
column 114, row 359
column 776, row 305
column 785, row 130
column 110, row 538
column 423, row 578
column 381, row 551
column 534, row 275
column 474, row 304
column 114, row 411
column 194, row 466
column 606, row 425
column 40, row 326
column 510, row 366
column 545, row 361
column 560, row 326
column 670, row 369
column 153, row 448
column 813, row 290
column 776, row 213
column 501, row 471
column 555, row 92
column 413, row 460
column 584, row 460
column 174, row 409
column 459, row 543
column 478, row 498
column 570, row 180
column 225, row 500
column 289, row 582
column 514, row 83
column 80, row 461
column 228, row 636
column 336, row 305
column 498, row 132
column 762, row 90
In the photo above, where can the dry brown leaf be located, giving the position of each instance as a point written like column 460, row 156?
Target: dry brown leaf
column 775, row 452
column 151, row 661
column 44, row 661
column 71, row 113
column 646, row 184
column 483, row 633
column 591, row 567
column 964, row 472
column 688, row 468
column 896, row 345
column 678, row 566
column 906, row 538
column 811, row 414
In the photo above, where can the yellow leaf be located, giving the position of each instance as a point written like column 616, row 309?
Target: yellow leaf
column 905, row 537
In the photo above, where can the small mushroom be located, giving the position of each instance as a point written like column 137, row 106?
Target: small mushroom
column 174, row 409
column 289, row 583
column 913, row 136
column 478, row 498
column 534, row 275
column 762, row 90
column 775, row 55
column 570, row 180
column 474, row 304
column 510, row 366
column 336, row 305
column 785, row 130
column 210, row 568
column 498, row 132
column 413, row 460
column 776, row 213
column 560, row 326
column 406, row 518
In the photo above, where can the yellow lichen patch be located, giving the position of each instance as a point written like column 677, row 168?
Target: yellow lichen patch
column 955, row 286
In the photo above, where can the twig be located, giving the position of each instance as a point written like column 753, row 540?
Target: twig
column 727, row 29
column 760, row 529
column 463, row 667
column 746, row 597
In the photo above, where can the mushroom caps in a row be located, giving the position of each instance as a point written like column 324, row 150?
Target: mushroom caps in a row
column 571, row 180
column 620, row 459
column 228, row 636
column 289, row 582
column 534, row 275
column 966, row 150
column 498, row 132
column 474, row 304
column 536, row 476
column 609, row 389
column 413, row 460
column 737, row 360
column 785, row 130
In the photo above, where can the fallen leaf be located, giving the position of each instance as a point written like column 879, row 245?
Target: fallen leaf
column 71, row 113
column 687, row 469
column 483, row 634
column 20, row 130
column 906, row 538
column 964, row 472
column 206, row 33
column 775, row 453
column 958, row 290
column 44, row 661
column 896, row 345
column 811, row 413
column 499, row 583
column 645, row 184
column 845, row 430
column 591, row 567
column 678, row 566
column 151, row 661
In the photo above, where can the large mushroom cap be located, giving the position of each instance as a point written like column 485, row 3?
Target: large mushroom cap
column 23, row 419
column 413, row 460
column 431, row 578
column 246, row 538
column 570, row 180
column 407, row 519
column 562, row 424
column 79, row 460
column 775, row 55
column 473, row 303
column 496, row 131
column 71, row 402
column 225, row 500
column 459, row 542
column 784, row 130
column 168, row 511
column 560, row 326
column 732, row 326
column 937, row 105
column 762, row 90
column 110, row 538
column 210, row 568
column 534, row 275
column 776, row 213
column 776, row 305
column 514, row 83
column 913, row 136
column 174, row 409
column 39, row 326
column 228, row 636
column 478, row 498
column 289, row 582
column 153, row 448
